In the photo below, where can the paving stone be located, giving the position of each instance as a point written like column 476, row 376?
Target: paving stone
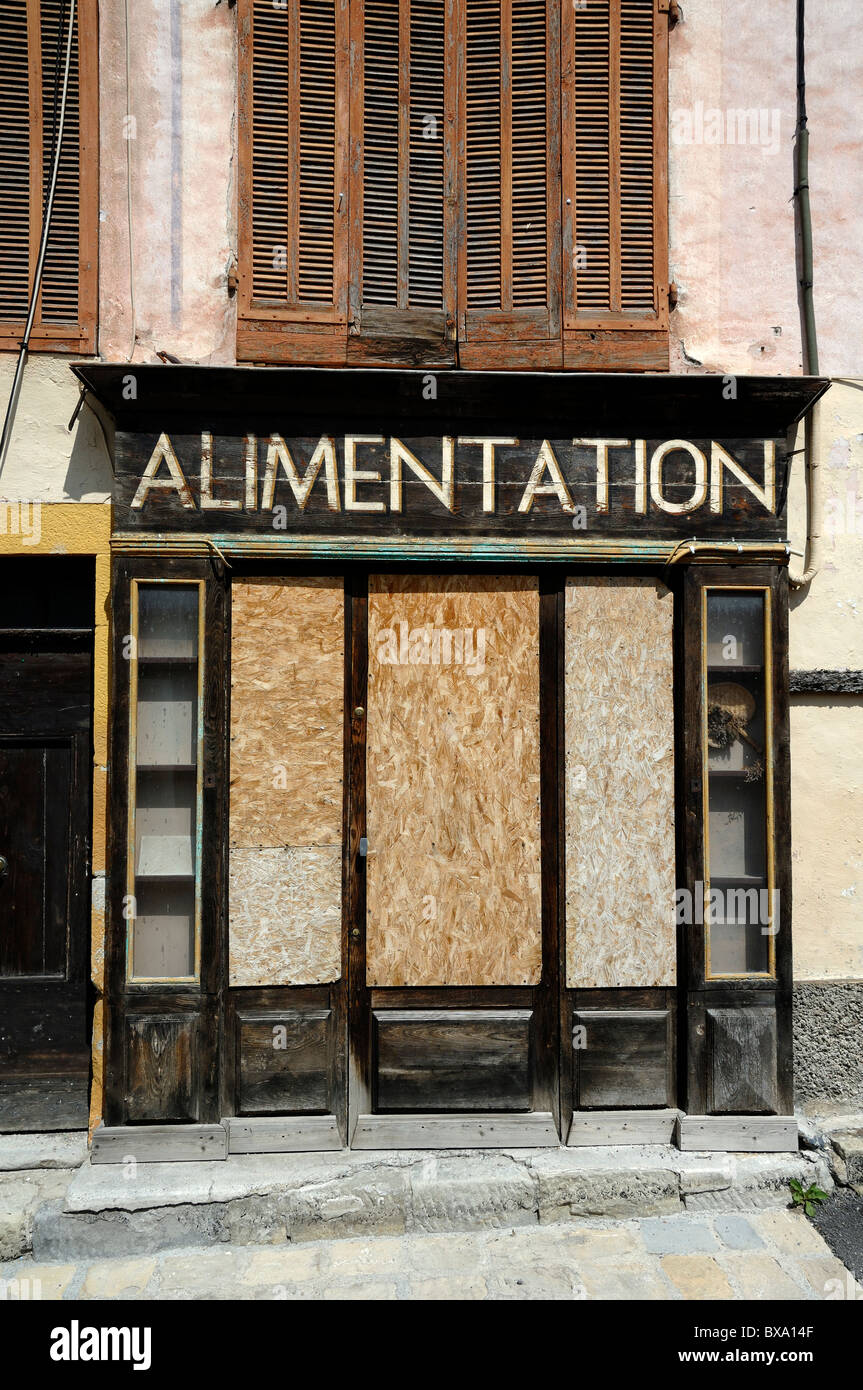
column 553, row 1282
column 791, row 1232
column 737, row 1233
column 382, row 1254
column 288, row 1264
column 360, row 1290
column 626, row 1280
column 112, row 1278
column 461, row 1286
column 677, row 1235
column 444, row 1254
column 189, row 1276
column 760, row 1276
column 37, row 1282
column 697, row 1276
column 830, row 1279
column 603, row 1242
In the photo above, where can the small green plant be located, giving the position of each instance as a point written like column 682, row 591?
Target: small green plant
column 806, row 1197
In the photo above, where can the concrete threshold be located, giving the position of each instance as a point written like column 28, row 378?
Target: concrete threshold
column 252, row 1199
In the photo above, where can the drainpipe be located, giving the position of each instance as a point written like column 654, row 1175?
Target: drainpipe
column 812, row 450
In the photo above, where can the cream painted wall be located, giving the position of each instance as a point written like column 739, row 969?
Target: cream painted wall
column 827, row 837
column 44, row 461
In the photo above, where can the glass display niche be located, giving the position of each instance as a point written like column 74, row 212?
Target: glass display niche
column 739, row 897
column 165, row 781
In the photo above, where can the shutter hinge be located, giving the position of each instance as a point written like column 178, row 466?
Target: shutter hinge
column 672, row 295
column 672, row 9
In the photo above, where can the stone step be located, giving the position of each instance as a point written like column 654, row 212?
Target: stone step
column 253, row 1199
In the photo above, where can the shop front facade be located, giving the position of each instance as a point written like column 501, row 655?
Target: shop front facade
column 449, row 762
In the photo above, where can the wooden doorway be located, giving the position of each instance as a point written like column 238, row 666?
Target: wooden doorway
column 45, row 768
column 452, row 906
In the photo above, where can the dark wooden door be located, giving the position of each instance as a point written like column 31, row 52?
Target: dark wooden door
column 45, row 754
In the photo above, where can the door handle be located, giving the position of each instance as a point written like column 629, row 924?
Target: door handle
column 4, row 866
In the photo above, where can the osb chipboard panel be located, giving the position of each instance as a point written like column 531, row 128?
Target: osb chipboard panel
column 287, row 708
column 285, row 916
column 619, row 783
column 287, row 758
column 453, row 814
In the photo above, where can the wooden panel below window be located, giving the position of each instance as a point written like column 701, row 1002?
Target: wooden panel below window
column 619, row 787
column 453, row 809
column 742, row 1050
column 162, row 1067
column 453, row 1059
column 623, row 1058
column 283, row 1061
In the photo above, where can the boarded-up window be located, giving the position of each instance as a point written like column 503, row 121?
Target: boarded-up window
column 32, row 62
column 442, row 182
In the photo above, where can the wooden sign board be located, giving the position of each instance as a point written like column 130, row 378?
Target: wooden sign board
column 373, row 483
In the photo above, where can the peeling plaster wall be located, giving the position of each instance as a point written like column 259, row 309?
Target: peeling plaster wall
column 183, row 62
column 731, row 219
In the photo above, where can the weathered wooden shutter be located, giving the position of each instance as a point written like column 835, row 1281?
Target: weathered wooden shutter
column 614, row 57
column 32, row 60
column 403, row 203
column 510, row 252
column 293, row 181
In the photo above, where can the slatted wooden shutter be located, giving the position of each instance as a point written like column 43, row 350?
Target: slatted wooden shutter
column 403, row 203
column 487, row 170
column 614, row 66
column 510, row 253
column 293, row 183
column 32, row 59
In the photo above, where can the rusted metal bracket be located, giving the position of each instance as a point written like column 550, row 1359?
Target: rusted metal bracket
column 672, row 9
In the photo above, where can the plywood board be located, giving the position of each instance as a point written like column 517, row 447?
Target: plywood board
column 619, row 739
column 285, row 916
column 453, row 812
column 287, row 757
column 287, row 710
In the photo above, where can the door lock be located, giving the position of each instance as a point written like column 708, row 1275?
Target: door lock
column 355, row 933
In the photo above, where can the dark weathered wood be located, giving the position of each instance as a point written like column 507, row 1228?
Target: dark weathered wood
column 137, row 1087
column 590, row 1127
column 359, row 1022
column 465, row 1060
column 45, row 818
column 159, row 1144
column 739, row 1134
column 420, row 512
column 283, row 1061
column 286, row 1134
column 622, row 1058
column 709, row 1082
column 742, row 1048
column 192, row 398
column 826, row 682
column 455, row 1132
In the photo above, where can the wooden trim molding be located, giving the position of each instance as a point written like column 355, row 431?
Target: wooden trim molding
column 841, row 682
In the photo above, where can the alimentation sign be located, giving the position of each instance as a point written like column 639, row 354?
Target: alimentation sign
column 339, row 483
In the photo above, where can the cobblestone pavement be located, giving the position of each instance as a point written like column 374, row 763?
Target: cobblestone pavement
column 752, row 1255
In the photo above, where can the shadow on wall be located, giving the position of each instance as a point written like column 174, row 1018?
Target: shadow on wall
column 90, row 469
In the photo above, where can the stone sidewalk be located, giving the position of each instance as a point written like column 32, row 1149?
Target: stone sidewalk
column 735, row 1255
